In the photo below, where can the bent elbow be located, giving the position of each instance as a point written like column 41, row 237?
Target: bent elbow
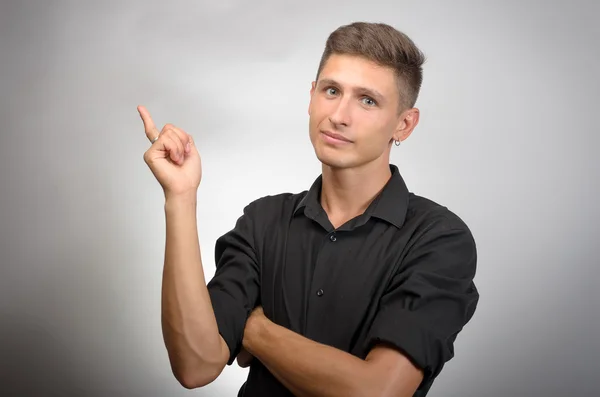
column 198, row 377
column 193, row 382
column 198, row 370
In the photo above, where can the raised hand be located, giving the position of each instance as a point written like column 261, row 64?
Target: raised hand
column 172, row 158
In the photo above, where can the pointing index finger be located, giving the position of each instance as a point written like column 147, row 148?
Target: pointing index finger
column 151, row 130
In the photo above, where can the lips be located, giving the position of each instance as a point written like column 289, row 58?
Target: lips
column 336, row 136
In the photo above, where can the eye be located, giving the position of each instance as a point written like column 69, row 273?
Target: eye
column 369, row 101
column 331, row 91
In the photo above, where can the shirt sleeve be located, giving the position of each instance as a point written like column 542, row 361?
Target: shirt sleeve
column 430, row 299
column 234, row 290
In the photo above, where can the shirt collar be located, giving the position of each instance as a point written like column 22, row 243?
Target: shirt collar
column 390, row 205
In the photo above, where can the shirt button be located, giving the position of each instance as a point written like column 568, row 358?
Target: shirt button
column 320, row 292
column 332, row 237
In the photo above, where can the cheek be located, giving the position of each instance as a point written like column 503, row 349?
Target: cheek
column 316, row 116
column 312, row 123
column 313, row 126
column 320, row 107
column 376, row 134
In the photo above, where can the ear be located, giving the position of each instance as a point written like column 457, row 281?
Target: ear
column 312, row 91
column 407, row 122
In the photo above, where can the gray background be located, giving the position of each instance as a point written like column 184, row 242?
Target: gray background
column 506, row 140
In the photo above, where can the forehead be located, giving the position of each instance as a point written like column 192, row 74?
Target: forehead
column 355, row 71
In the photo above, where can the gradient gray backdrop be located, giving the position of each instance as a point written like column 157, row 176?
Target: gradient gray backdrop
column 506, row 140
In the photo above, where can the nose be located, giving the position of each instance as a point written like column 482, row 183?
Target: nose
column 340, row 115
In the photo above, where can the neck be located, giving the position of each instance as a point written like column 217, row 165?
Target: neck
column 346, row 193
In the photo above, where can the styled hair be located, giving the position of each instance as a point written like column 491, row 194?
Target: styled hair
column 384, row 45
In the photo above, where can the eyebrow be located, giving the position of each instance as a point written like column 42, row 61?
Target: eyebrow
column 364, row 90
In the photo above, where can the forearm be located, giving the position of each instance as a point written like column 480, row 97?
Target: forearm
column 189, row 326
column 307, row 368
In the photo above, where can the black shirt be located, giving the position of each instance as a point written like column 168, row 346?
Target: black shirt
column 401, row 273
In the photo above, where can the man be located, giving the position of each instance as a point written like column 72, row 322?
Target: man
column 355, row 287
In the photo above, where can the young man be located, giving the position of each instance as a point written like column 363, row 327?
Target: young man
column 356, row 287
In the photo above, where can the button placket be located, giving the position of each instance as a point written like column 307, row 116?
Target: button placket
column 322, row 271
column 332, row 238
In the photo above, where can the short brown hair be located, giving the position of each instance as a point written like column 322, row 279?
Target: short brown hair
column 384, row 45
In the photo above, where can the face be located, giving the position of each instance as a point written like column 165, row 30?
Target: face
column 354, row 112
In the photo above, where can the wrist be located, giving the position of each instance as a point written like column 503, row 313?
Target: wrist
column 180, row 200
column 255, row 331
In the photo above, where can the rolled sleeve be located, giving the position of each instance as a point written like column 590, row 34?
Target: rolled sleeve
column 234, row 289
column 430, row 299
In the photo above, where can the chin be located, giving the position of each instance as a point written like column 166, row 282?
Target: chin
column 336, row 160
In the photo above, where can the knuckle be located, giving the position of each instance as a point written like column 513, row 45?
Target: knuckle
column 176, row 135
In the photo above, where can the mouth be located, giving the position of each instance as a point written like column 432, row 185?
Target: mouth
column 334, row 137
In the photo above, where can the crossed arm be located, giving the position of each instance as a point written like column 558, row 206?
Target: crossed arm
column 439, row 293
column 311, row 369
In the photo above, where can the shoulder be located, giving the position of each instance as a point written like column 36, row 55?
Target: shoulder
column 427, row 215
column 437, row 231
column 259, row 216
column 281, row 200
column 440, row 238
column 273, row 208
